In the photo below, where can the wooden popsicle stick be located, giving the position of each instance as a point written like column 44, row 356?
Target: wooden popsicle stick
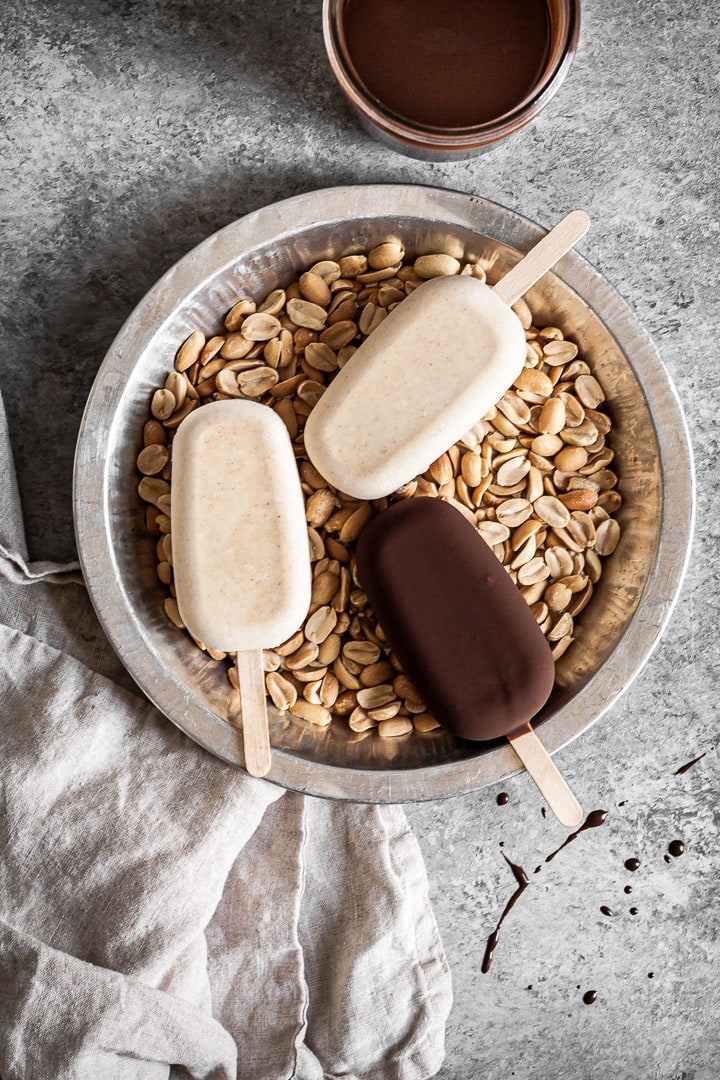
column 542, row 257
column 253, row 703
column 547, row 776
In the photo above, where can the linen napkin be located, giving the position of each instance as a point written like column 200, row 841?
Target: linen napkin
column 165, row 915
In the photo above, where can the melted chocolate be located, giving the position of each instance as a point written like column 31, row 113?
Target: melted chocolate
column 592, row 821
column 451, row 65
column 522, row 881
column 460, row 627
column 689, row 764
column 632, row 864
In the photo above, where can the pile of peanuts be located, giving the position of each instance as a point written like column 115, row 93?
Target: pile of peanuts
column 534, row 477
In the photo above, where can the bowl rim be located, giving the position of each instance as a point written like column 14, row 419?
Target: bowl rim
column 393, row 201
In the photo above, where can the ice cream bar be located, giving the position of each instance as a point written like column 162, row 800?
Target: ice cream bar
column 435, row 365
column 439, row 361
column 239, row 536
column 461, row 629
column 239, row 544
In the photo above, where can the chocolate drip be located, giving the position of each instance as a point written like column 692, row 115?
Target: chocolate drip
column 689, row 764
column 592, row 821
column 522, row 881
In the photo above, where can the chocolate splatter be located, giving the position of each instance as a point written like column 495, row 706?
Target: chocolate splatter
column 503, row 799
column 633, row 911
column 589, row 996
column 632, row 864
column 592, row 821
column 689, row 764
column 676, row 848
column 606, row 910
column 627, row 889
column 522, row 881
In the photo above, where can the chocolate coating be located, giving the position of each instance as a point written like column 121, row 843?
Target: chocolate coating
column 460, row 627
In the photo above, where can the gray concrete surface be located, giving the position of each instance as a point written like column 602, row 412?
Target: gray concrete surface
column 129, row 131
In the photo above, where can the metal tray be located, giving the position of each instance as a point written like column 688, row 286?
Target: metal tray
column 632, row 602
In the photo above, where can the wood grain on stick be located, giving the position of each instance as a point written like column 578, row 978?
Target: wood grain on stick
column 548, row 778
column 253, row 703
column 542, row 257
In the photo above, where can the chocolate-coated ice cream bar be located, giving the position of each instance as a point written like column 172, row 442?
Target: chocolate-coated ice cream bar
column 462, row 631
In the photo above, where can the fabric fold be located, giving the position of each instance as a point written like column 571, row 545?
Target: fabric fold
column 13, row 547
column 129, row 1031
column 373, row 958
column 134, row 827
column 255, row 956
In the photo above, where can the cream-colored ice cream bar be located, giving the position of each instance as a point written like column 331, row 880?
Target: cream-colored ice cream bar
column 239, row 538
column 429, row 372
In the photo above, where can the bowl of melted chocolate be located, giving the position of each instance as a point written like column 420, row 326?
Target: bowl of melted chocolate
column 445, row 81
